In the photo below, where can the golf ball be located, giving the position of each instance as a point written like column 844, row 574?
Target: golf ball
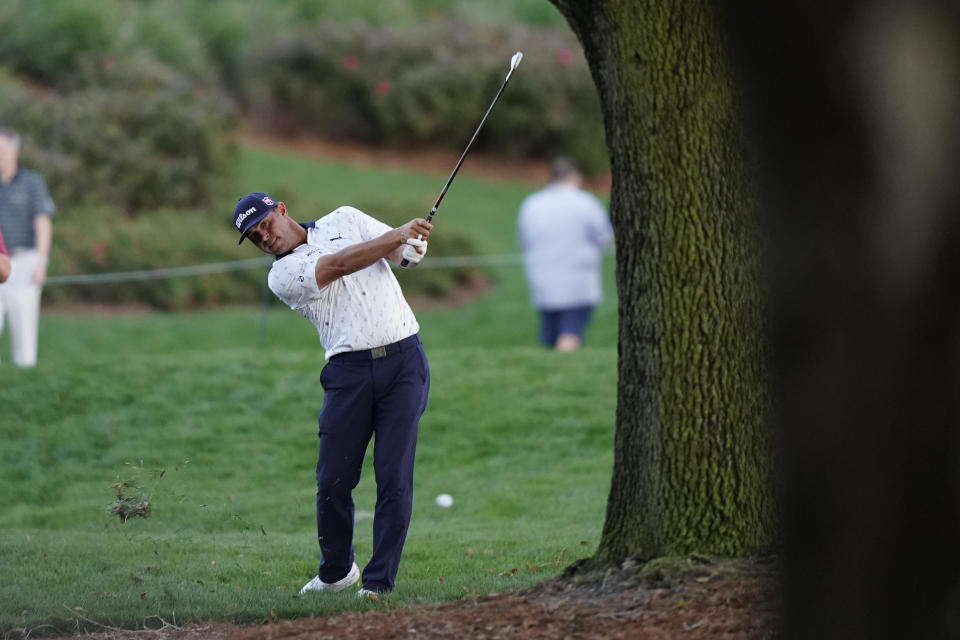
column 444, row 500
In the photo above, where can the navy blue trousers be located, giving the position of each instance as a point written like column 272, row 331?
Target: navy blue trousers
column 366, row 395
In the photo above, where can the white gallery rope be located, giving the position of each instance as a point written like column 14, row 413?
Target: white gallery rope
column 440, row 262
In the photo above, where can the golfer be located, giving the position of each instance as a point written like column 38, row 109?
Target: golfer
column 334, row 272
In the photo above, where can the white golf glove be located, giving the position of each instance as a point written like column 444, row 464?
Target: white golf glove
column 410, row 252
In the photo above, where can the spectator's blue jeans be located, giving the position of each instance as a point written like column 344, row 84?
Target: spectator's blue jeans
column 556, row 322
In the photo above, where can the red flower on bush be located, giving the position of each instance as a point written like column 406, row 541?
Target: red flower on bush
column 99, row 251
column 382, row 88
column 565, row 57
column 350, row 62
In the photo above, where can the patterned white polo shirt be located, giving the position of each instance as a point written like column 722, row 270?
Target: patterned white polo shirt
column 362, row 310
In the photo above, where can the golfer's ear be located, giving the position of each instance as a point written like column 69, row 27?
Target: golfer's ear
column 281, row 208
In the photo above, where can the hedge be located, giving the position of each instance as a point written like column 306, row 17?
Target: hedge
column 137, row 135
column 429, row 85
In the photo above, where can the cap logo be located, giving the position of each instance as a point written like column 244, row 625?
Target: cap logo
column 243, row 216
column 267, row 201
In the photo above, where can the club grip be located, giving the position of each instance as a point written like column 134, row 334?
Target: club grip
column 406, row 263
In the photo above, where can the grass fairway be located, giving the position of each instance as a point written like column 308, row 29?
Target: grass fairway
column 213, row 416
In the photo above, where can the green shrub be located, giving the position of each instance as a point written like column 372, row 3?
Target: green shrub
column 299, row 84
column 420, row 77
column 50, row 40
column 101, row 241
column 165, row 32
column 408, row 87
column 53, row 41
column 137, row 135
column 224, row 27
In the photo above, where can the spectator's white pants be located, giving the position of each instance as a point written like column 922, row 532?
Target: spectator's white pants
column 20, row 305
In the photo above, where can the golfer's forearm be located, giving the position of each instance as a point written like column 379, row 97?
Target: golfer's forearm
column 396, row 256
column 356, row 257
column 4, row 268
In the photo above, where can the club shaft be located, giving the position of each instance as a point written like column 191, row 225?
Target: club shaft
column 404, row 263
column 453, row 174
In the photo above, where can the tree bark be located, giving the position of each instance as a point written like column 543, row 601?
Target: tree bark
column 691, row 466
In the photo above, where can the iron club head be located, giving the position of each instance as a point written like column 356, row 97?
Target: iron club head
column 514, row 61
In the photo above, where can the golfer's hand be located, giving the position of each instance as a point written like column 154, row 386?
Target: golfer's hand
column 415, row 249
column 418, row 228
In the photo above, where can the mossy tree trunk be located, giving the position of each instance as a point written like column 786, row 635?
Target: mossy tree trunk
column 692, row 464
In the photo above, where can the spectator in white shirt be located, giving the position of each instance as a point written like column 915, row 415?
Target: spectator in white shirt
column 563, row 231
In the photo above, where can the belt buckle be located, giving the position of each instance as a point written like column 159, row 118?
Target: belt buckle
column 378, row 352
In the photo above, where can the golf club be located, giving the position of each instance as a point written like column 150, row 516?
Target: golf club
column 514, row 61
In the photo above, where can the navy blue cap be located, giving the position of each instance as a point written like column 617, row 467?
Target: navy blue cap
column 251, row 209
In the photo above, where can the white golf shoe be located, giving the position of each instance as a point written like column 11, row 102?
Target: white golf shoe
column 319, row 585
column 368, row 594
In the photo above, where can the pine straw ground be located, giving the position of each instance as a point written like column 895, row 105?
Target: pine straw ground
column 694, row 598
